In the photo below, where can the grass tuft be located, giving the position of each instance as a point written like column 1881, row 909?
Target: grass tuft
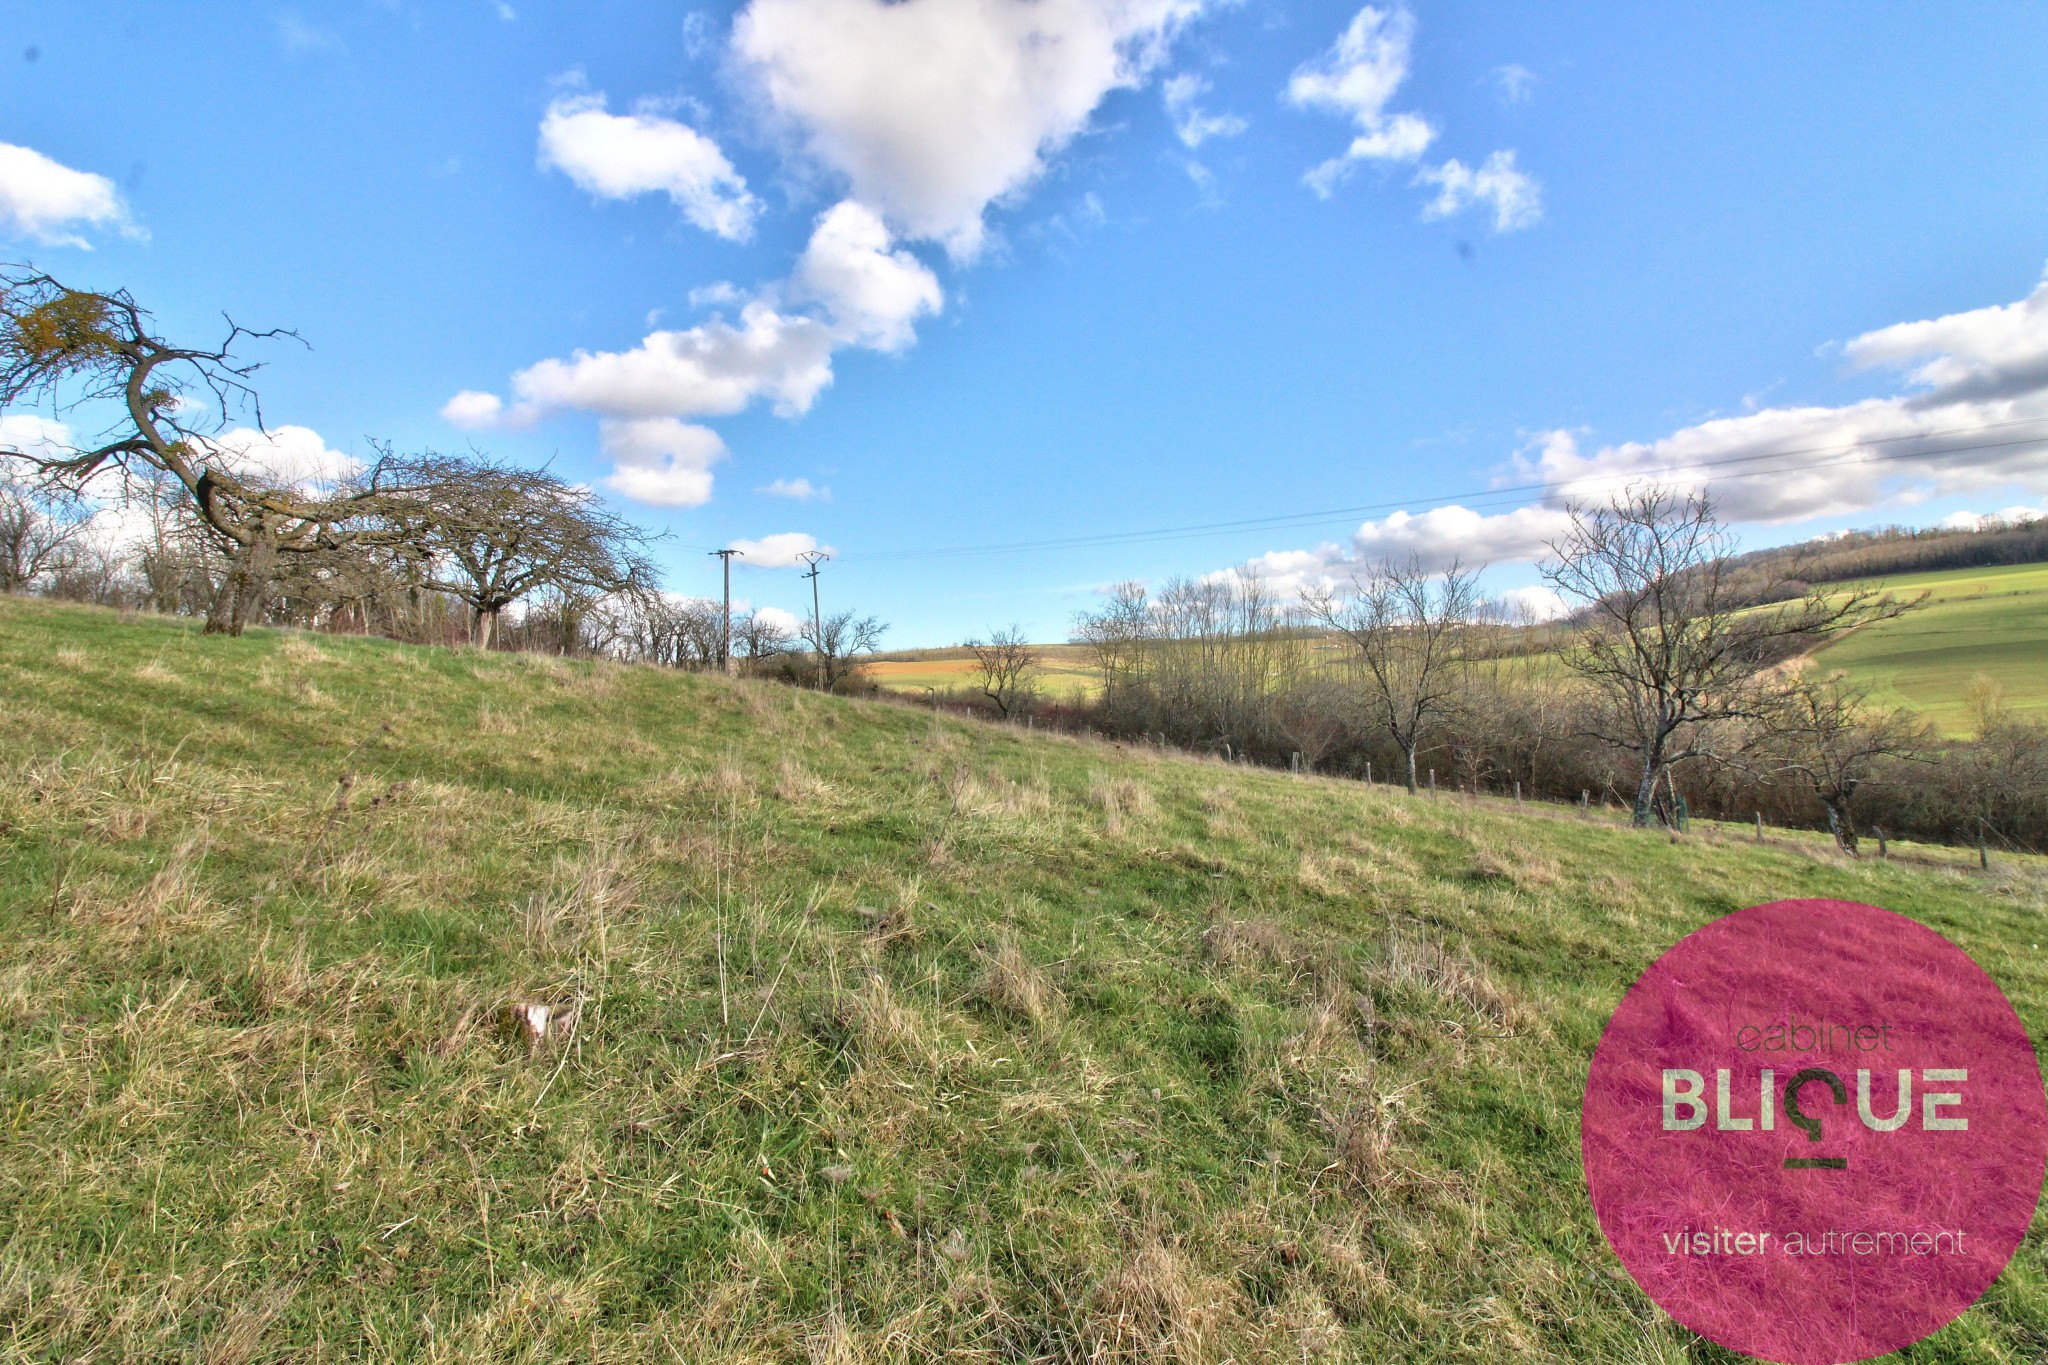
column 1011, row 984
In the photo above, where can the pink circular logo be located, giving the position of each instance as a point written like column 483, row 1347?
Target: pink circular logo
column 1815, row 1131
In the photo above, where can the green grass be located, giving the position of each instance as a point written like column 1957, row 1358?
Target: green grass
column 1992, row 622
column 896, row 1037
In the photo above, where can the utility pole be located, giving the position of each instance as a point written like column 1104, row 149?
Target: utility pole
column 814, row 558
column 725, row 635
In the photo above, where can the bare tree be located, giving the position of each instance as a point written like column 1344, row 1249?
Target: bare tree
column 761, row 638
column 1207, row 668
column 1198, row 664
column 1528, row 713
column 1660, row 633
column 1999, row 783
column 1415, row 636
column 657, row 628
column 1004, row 668
column 1118, row 634
column 72, row 349
column 179, row 561
column 1824, row 731
column 1315, row 715
column 490, row 534
column 37, row 531
column 837, row 641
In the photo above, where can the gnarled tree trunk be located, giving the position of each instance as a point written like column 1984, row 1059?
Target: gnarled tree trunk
column 241, row 594
column 1842, row 825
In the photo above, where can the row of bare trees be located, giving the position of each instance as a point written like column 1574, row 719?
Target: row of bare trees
column 1667, row 688
column 482, row 533
column 425, row 547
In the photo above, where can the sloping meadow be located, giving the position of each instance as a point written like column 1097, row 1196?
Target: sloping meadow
column 367, row 1002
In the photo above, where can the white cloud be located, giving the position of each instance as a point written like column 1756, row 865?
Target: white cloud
column 26, row 434
column 799, row 490
column 1516, row 198
column 661, row 461
column 1360, row 73
column 476, row 411
column 721, row 294
column 930, row 111
column 120, row 527
column 1356, row 79
column 113, row 522
column 787, row 621
column 2005, row 516
column 301, row 39
column 1535, row 603
column 1983, row 355
column 874, row 295
column 1443, row 534
column 295, row 457
column 933, row 111
column 48, row 203
column 870, row 296
column 1289, row 573
column 1514, row 83
column 1974, row 421
column 1436, row 538
column 780, row 551
column 699, row 34
column 712, row 369
column 618, row 156
column 1190, row 124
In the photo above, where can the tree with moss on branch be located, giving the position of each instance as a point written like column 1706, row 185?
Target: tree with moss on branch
column 81, row 353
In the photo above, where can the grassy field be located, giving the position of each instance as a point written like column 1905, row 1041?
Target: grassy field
column 1992, row 622
column 1064, row 671
column 871, row 1034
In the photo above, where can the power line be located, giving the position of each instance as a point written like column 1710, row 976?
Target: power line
column 1480, row 498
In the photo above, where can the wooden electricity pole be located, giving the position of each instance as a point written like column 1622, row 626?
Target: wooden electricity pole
column 814, row 558
column 725, row 633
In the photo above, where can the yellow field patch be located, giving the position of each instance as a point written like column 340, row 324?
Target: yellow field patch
column 1064, row 671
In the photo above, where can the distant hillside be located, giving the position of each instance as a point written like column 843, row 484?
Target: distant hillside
column 1887, row 552
column 1986, row 622
column 372, row 1002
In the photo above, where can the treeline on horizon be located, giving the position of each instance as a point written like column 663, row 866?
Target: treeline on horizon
column 1888, row 551
column 1692, row 692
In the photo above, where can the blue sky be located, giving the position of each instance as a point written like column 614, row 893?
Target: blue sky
column 998, row 273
